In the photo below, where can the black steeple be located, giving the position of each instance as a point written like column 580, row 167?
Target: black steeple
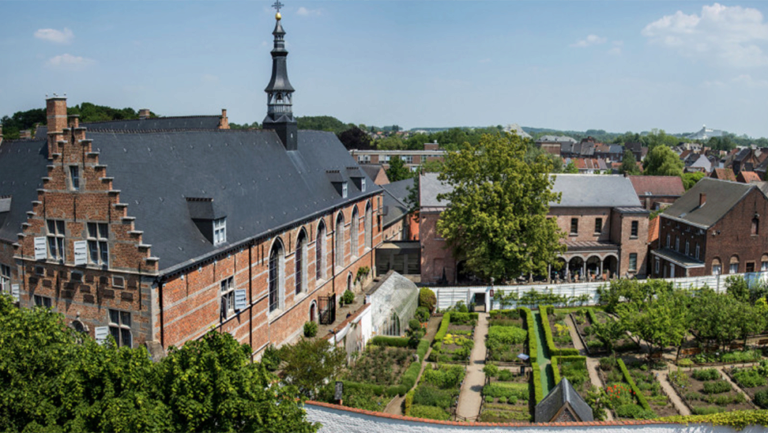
column 280, row 92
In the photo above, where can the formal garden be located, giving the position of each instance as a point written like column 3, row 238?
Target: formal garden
column 506, row 395
column 455, row 338
column 754, row 381
column 506, row 337
column 594, row 328
column 706, row 391
column 436, row 395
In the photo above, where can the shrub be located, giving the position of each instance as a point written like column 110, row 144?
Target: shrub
column 427, row 299
column 761, row 398
column 530, row 327
column 271, row 358
column 348, row 297
column 501, row 400
column 716, row 387
column 538, row 394
column 544, row 311
column 506, row 376
column 749, row 378
column 685, row 363
column 491, row 370
column 464, row 318
column 310, row 329
column 628, row 378
column 506, row 335
column 607, row 363
column 381, row 340
column 706, row 374
column 443, row 330
column 429, row 395
column 422, row 314
column 635, row 412
column 408, row 403
column 744, row 356
column 429, row 412
column 445, row 376
column 706, row 410
column 507, row 390
column 488, row 399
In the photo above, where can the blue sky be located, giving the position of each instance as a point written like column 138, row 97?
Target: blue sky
column 618, row 65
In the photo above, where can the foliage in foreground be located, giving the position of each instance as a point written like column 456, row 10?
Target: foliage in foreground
column 736, row 419
column 50, row 382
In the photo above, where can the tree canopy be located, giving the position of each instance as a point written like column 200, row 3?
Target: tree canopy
column 497, row 217
column 397, row 170
column 662, row 161
column 629, row 164
column 53, row 379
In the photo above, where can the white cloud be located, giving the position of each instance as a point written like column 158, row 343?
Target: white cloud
column 57, row 36
column 723, row 34
column 307, row 12
column 68, row 61
column 589, row 41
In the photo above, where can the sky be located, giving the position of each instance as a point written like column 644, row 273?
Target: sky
column 569, row 65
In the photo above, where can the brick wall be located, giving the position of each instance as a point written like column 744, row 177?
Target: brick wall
column 436, row 258
column 586, row 217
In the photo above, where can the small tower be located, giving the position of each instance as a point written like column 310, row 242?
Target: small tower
column 280, row 92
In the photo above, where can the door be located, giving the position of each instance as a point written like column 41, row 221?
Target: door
column 750, row 266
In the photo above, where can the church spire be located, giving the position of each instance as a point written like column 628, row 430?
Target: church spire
column 279, row 90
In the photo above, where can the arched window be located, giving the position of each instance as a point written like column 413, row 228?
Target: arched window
column 734, row 267
column 368, row 226
column 301, row 262
column 764, row 263
column 339, row 247
column 717, row 267
column 353, row 235
column 276, row 266
column 319, row 251
column 755, row 226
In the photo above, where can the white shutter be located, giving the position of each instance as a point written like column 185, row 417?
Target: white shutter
column 81, row 252
column 41, row 250
column 101, row 334
column 15, row 292
column 240, row 299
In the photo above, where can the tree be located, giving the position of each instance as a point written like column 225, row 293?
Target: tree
column 497, row 217
column 356, row 138
column 690, row 179
column 662, row 161
column 397, row 170
column 570, row 168
column 629, row 164
column 609, row 333
column 309, row 363
column 53, row 379
column 392, row 142
column 662, row 320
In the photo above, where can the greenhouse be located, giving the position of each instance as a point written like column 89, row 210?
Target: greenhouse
column 394, row 300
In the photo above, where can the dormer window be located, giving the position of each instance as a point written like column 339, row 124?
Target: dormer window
column 362, row 184
column 344, row 190
column 219, row 231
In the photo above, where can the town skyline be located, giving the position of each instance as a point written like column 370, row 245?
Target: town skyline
column 630, row 66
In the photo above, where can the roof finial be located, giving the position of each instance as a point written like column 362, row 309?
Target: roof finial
column 277, row 7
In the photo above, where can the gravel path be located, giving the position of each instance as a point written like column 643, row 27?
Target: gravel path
column 470, row 398
column 662, row 376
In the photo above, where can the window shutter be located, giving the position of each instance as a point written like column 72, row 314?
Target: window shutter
column 81, row 253
column 41, row 251
column 240, row 299
column 101, row 334
column 15, row 292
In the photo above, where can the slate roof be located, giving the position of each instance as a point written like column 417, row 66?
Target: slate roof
column 250, row 177
column 395, row 199
column 722, row 196
column 594, row 190
column 668, row 186
column 429, row 188
column 23, row 166
column 561, row 395
column 175, row 123
column 372, row 170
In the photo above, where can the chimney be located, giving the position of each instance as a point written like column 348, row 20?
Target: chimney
column 25, row 134
column 223, row 122
column 56, row 112
column 144, row 113
column 702, row 199
column 73, row 121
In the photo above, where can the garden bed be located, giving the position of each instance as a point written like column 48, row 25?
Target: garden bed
column 575, row 369
column 559, row 330
column 647, row 383
column 505, row 396
column 705, row 391
column 584, row 319
column 437, row 394
column 506, row 338
column 455, row 338
column 754, row 381
column 717, row 358
column 623, row 397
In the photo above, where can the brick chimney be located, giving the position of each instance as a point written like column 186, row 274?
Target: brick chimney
column 224, row 122
column 702, row 199
column 56, row 112
column 144, row 113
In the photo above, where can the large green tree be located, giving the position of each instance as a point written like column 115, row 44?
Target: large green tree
column 629, row 163
column 497, row 217
column 662, row 161
column 52, row 379
column 397, row 170
column 309, row 364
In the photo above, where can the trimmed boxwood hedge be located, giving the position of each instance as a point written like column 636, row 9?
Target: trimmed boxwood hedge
column 553, row 350
column 538, row 393
column 592, row 316
column 530, row 324
column 443, row 330
column 628, row 378
column 390, row 341
column 408, row 402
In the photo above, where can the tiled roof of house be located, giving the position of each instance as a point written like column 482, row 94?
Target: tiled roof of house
column 748, row 177
column 657, row 185
column 653, row 229
column 723, row 174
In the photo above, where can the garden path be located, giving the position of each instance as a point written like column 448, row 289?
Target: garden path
column 734, row 385
column 663, row 378
column 470, row 398
column 395, row 406
column 592, row 363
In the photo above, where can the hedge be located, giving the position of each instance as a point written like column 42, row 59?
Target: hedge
column 736, row 419
column 628, row 378
column 538, row 393
column 390, row 341
column 592, row 316
column 443, row 330
column 463, row 318
column 553, row 351
column 408, row 402
column 556, row 368
column 530, row 324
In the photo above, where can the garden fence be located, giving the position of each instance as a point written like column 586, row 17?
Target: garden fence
column 450, row 296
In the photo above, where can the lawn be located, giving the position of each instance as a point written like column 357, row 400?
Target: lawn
column 506, row 337
column 505, row 396
column 437, row 393
column 754, row 381
column 705, row 391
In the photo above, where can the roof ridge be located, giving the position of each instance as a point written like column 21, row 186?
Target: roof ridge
column 151, row 118
column 150, row 131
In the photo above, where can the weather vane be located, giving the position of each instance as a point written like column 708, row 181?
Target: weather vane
column 277, row 5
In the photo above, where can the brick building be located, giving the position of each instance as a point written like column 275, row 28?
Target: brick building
column 606, row 229
column 657, row 192
column 412, row 158
column 717, row 227
column 158, row 235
